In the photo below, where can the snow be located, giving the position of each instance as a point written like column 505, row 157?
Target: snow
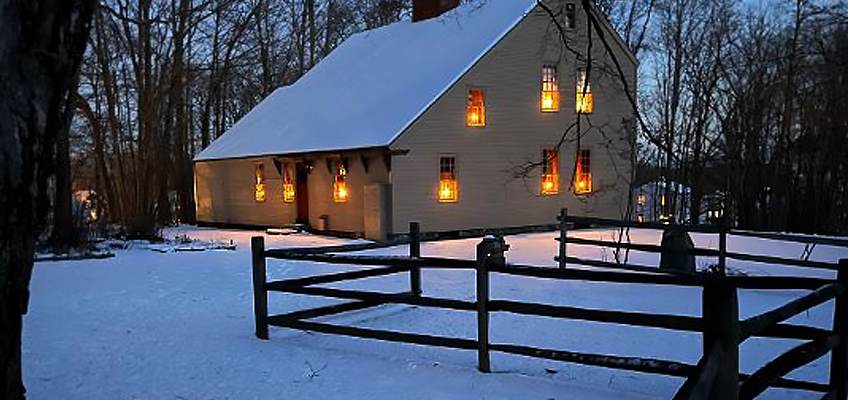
column 373, row 86
column 146, row 325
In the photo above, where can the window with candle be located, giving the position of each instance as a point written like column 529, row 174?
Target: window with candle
column 476, row 111
column 448, row 187
column 288, row 184
column 259, row 183
column 585, row 100
column 550, row 171
column 550, row 89
column 583, row 173
column 340, row 191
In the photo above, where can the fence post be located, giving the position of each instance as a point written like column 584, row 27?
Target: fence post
column 260, row 295
column 415, row 252
column 563, row 233
column 722, row 246
column 721, row 325
column 839, row 356
column 484, row 248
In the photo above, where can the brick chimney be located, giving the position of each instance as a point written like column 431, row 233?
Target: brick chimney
column 426, row 9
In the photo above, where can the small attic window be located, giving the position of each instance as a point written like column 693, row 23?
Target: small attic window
column 340, row 192
column 259, row 183
column 448, row 186
column 570, row 16
column 288, row 184
column 585, row 100
column 550, row 171
column 550, row 89
column 476, row 111
column 583, row 176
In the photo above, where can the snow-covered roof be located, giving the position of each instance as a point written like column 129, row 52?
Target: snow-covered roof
column 373, row 86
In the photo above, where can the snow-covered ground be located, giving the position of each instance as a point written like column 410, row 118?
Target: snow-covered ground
column 147, row 325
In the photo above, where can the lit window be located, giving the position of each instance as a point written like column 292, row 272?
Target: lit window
column 259, row 183
column 476, row 113
column 340, row 192
column 288, row 184
column 448, row 190
column 550, row 171
column 583, row 177
column 550, row 89
column 585, row 100
column 570, row 15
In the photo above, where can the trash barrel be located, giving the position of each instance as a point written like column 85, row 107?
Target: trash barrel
column 322, row 222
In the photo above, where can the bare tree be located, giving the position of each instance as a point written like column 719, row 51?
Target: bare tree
column 41, row 46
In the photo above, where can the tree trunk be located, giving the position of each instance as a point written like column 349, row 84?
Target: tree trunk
column 62, row 237
column 41, row 46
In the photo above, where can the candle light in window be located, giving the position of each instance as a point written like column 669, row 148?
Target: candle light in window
column 583, row 176
column 448, row 190
column 476, row 110
column 288, row 192
column 340, row 192
column 550, row 171
column 550, row 89
column 259, row 183
column 288, row 185
column 585, row 99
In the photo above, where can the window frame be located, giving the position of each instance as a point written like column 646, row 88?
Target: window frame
column 341, row 191
column 289, row 193
column 584, row 102
column 259, row 192
column 583, row 173
column 550, row 87
column 470, row 105
column 550, row 172
column 570, row 15
column 448, row 180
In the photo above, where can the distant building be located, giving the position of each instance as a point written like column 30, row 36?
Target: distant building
column 661, row 200
column 428, row 120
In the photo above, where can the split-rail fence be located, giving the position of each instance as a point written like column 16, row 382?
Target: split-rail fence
column 715, row 376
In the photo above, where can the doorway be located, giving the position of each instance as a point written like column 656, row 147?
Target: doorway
column 302, row 193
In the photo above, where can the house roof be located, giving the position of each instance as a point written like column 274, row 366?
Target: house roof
column 373, row 86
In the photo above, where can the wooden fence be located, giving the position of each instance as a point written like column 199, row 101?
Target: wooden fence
column 716, row 376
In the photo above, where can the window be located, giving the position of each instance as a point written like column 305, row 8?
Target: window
column 259, row 183
column 288, row 184
column 570, row 16
column 340, row 192
column 583, row 176
column 476, row 113
column 550, row 171
column 448, row 190
column 550, row 89
column 585, row 100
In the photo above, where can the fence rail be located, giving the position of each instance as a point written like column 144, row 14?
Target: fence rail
column 715, row 376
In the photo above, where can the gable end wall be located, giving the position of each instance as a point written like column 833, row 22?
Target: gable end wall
column 516, row 132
